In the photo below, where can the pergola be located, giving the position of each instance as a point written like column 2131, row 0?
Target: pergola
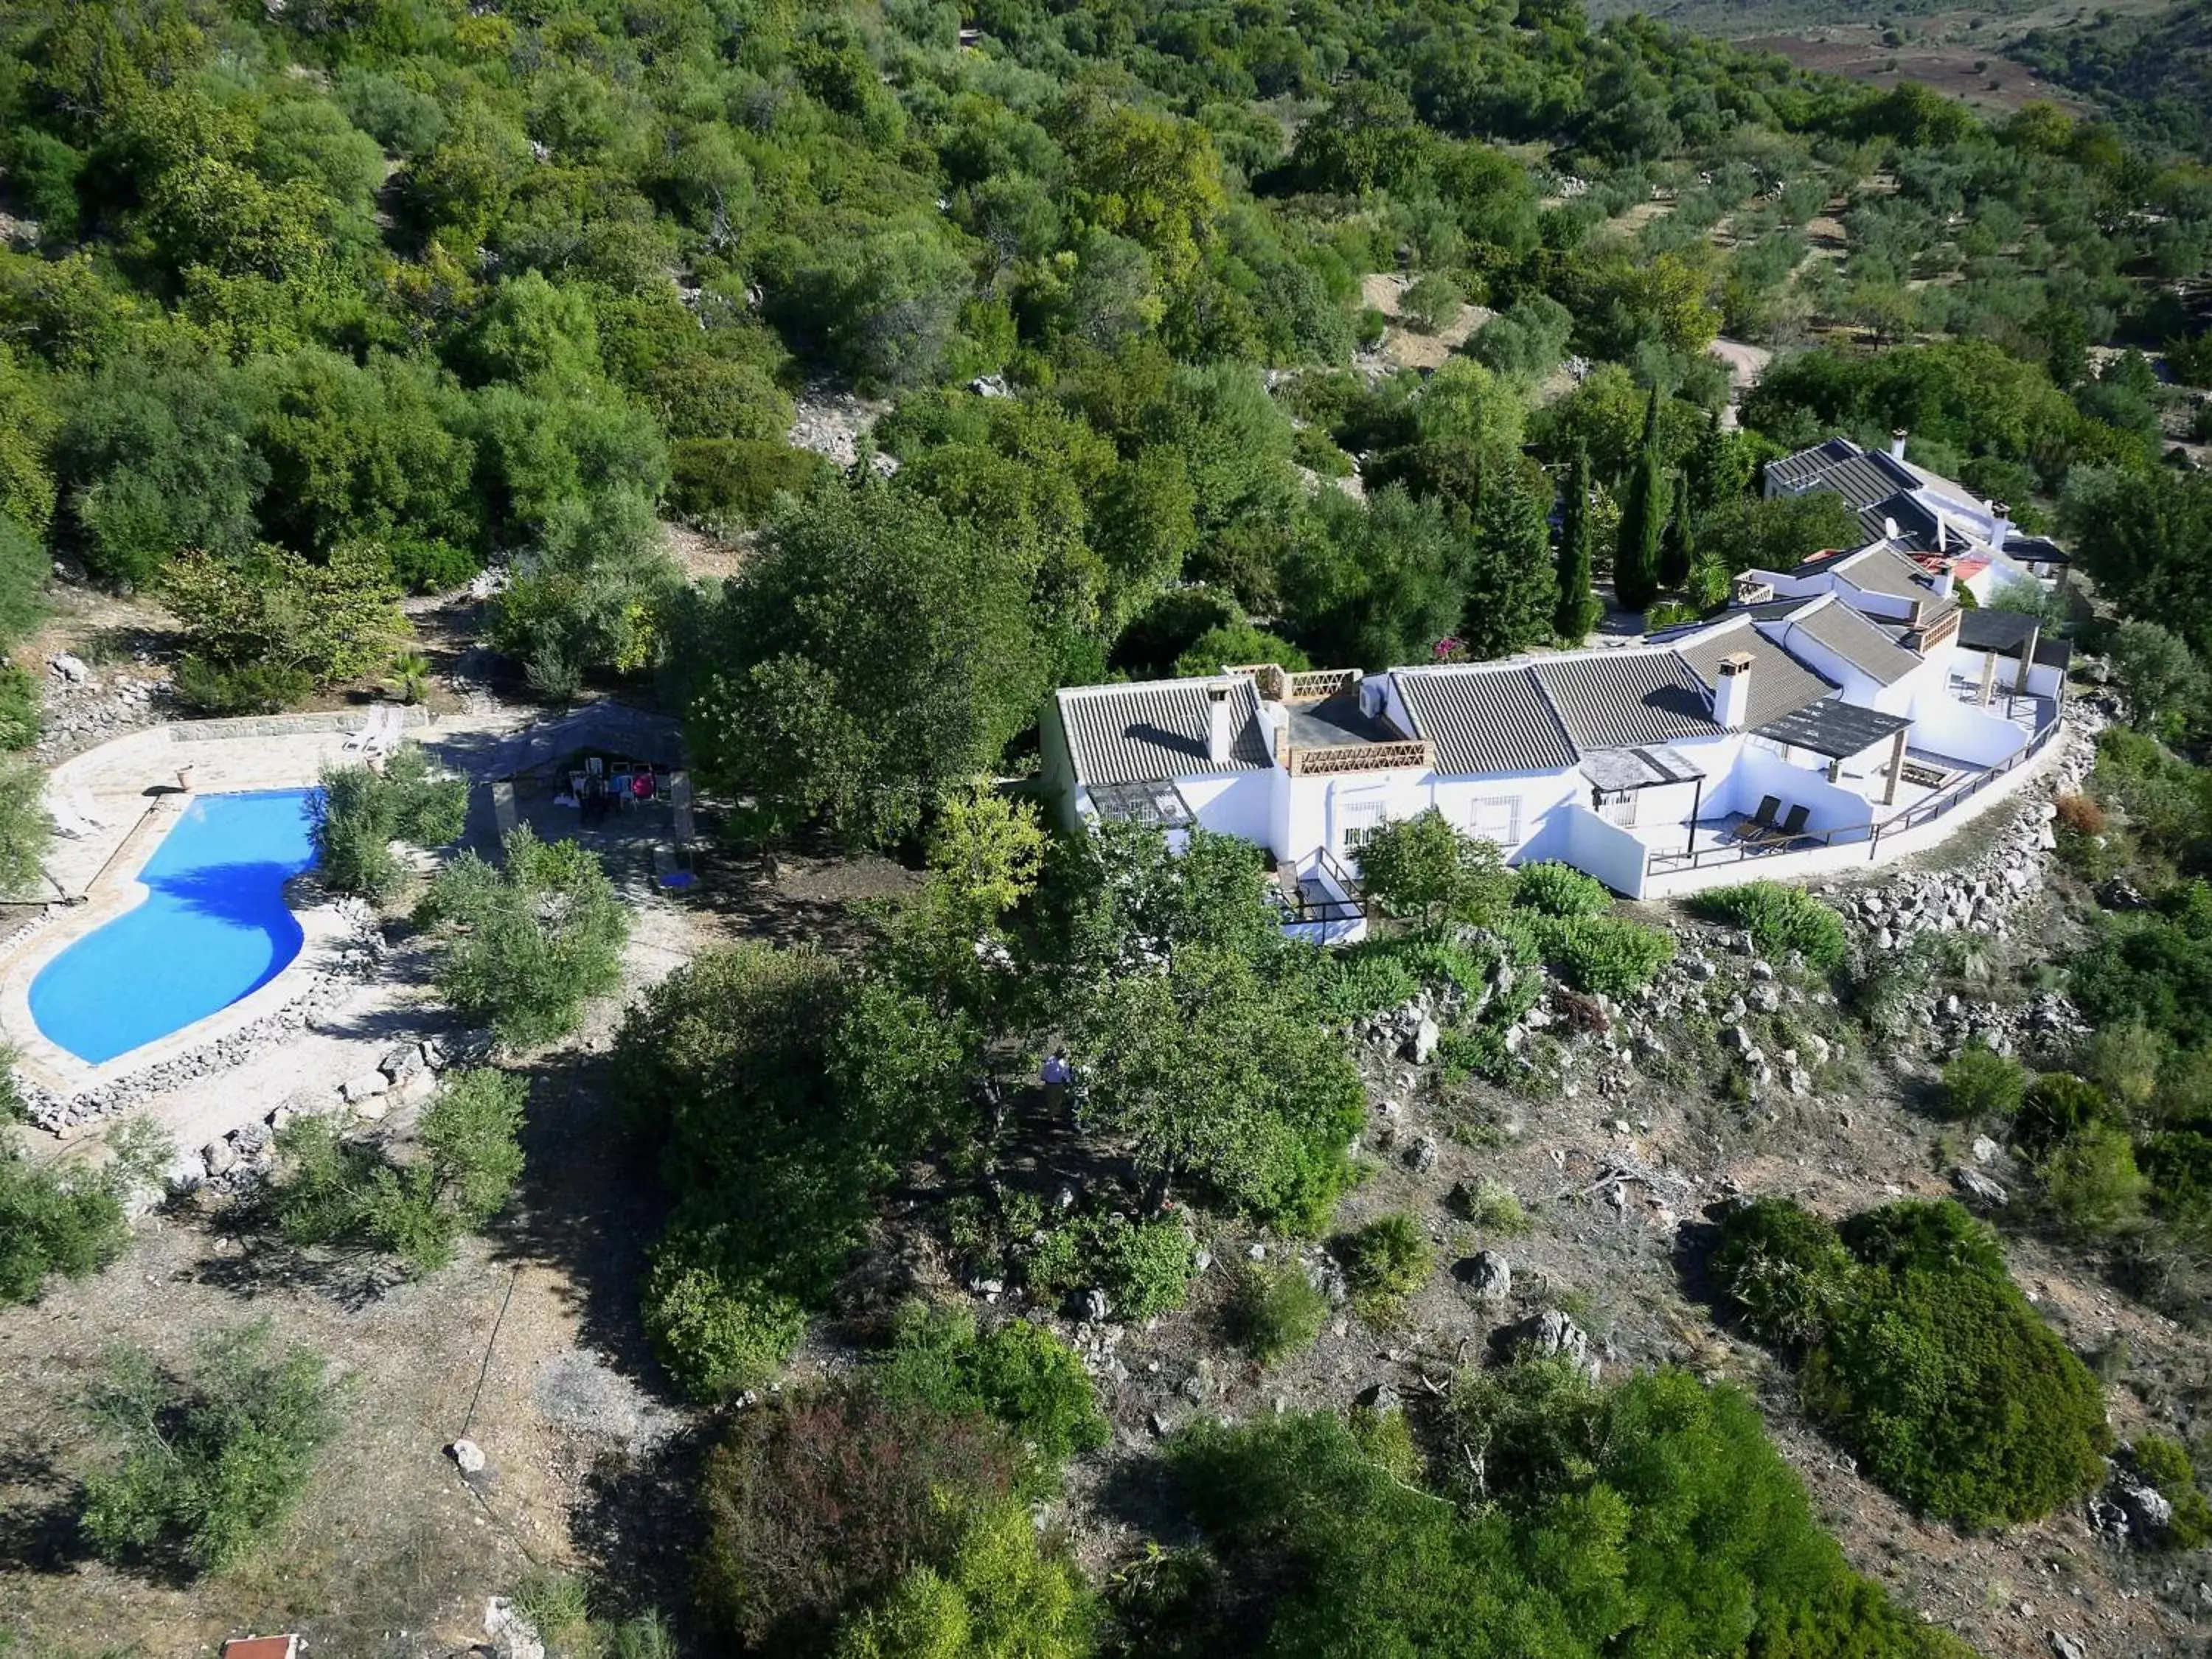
column 1843, row 731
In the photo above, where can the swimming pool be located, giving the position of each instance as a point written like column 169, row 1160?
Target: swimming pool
column 215, row 928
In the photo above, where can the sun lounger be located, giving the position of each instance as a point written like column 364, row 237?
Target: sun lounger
column 371, row 723
column 1794, row 825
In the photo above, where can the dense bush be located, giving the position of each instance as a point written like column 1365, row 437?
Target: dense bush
column 1781, row 920
column 2165, row 1463
column 1980, row 1083
column 467, row 1157
column 1386, row 1261
column 1652, row 1515
column 1143, row 1267
column 1602, row 956
column 2056, row 1105
column 1273, row 1309
column 781, row 1099
column 1560, row 889
column 525, row 944
column 359, row 812
column 822, row 1502
column 1920, row 1355
column 1019, row 1373
column 211, row 1462
column 66, row 1216
column 1001, row 1592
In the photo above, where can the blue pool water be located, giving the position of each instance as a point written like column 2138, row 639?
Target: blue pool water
column 215, row 929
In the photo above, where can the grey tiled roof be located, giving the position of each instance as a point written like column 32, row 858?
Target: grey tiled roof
column 1860, row 477
column 1146, row 732
column 1836, row 729
column 1619, row 699
column 1915, row 524
column 2002, row 631
column 1779, row 683
column 1877, row 569
column 1854, row 639
column 1484, row 720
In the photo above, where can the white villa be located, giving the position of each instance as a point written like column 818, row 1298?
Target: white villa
column 1837, row 714
column 1938, row 524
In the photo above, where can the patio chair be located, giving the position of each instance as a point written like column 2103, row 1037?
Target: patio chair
column 1794, row 825
column 618, row 786
column 372, row 723
column 1761, row 822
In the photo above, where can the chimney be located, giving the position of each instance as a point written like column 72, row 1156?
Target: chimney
column 1732, row 691
column 1897, row 444
column 1219, row 732
column 2000, row 524
column 1947, row 580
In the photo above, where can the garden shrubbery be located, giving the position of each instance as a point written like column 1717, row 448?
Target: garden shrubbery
column 209, row 1463
column 1572, row 1520
column 527, row 943
column 1386, row 1261
column 68, row 1217
column 1273, row 1309
column 1977, row 1083
column 1781, row 919
column 1919, row 1355
column 359, row 813
column 462, row 1170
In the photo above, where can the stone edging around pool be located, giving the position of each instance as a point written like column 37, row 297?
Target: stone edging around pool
column 339, row 944
column 63, row 1092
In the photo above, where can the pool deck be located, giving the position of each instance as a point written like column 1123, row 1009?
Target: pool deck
column 114, row 804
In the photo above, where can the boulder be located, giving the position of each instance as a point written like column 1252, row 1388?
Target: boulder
column 1095, row 1306
column 1978, row 1187
column 467, row 1457
column 1985, row 1150
column 2065, row 1647
column 364, row 1087
column 70, row 669
column 1421, row 1047
column 509, row 1634
column 1492, row 1277
column 218, row 1156
column 2147, row 1511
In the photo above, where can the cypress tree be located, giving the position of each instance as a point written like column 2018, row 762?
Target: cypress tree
column 1576, row 609
column 1509, row 593
column 1643, row 514
column 1678, row 547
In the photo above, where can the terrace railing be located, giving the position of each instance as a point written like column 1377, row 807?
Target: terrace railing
column 1315, row 683
column 1872, row 832
column 1299, row 907
column 1359, row 757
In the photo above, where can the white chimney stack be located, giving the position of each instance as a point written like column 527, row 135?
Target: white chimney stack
column 1732, row 691
column 1947, row 580
column 1220, row 734
column 1897, row 444
column 2000, row 524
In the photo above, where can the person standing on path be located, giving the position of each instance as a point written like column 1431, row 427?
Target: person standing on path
column 1058, row 1074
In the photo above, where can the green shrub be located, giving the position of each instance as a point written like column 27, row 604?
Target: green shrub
column 781, row 1097
column 2165, row 1463
column 331, row 1190
column 1781, row 920
column 211, row 1463
column 733, row 482
column 1386, row 1261
column 2090, row 1180
column 716, row 1334
column 2054, row 1106
column 1490, row 1207
column 250, row 689
column 1652, row 1517
column 1003, row 1592
column 427, row 565
column 1784, row 1272
column 1603, row 956
column 359, row 812
column 1273, row 1311
column 22, row 706
column 68, row 1217
column 1560, row 889
column 1921, row 1356
column 1978, row 1083
column 527, row 943
column 1019, row 1373
column 1358, row 982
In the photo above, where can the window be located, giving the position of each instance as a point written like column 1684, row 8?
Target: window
column 1359, row 819
column 1497, row 819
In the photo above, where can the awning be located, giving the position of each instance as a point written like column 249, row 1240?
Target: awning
column 1836, row 729
column 1160, row 805
column 1617, row 771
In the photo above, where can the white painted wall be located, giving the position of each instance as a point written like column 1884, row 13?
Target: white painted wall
column 1612, row 854
column 1233, row 804
column 1942, row 724
column 1759, row 773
